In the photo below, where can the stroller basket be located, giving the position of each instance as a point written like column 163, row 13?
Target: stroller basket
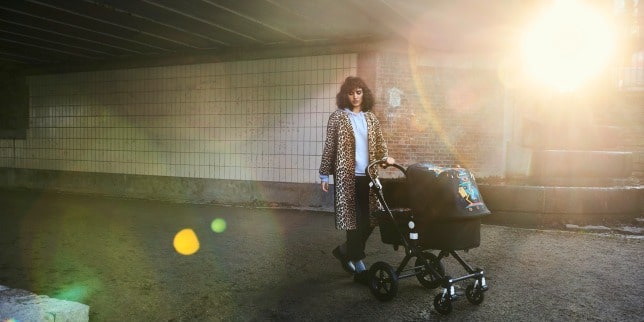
column 449, row 235
column 388, row 232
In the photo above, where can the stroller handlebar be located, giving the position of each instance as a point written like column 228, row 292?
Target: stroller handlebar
column 383, row 163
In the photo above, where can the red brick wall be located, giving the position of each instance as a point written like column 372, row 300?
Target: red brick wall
column 448, row 115
column 452, row 112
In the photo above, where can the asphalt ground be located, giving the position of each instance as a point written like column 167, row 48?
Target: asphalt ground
column 119, row 256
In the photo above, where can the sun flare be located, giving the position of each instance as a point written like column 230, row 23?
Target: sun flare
column 568, row 45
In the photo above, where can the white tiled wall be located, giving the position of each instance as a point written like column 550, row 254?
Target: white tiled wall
column 249, row 120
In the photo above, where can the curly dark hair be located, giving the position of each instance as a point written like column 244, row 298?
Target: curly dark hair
column 350, row 84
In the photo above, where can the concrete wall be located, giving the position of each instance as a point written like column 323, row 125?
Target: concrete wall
column 178, row 189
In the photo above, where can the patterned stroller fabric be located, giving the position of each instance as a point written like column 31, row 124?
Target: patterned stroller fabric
column 444, row 193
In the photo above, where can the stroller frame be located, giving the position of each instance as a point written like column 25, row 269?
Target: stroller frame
column 428, row 269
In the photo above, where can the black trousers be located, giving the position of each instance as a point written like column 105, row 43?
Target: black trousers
column 357, row 238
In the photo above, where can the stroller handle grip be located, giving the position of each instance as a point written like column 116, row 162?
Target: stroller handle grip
column 383, row 163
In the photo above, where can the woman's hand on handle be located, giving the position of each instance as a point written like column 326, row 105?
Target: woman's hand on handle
column 387, row 161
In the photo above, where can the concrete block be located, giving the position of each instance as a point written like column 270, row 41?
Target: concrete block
column 514, row 219
column 21, row 305
column 593, row 200
column 516, row 198
column 522, row 205
column 571, row 164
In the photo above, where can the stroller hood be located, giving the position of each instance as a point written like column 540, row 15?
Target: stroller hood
column 443, row 194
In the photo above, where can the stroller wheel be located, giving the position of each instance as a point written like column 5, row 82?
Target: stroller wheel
column 424, row 275
column 383, row 281
column 443, row 303
column 474, row 294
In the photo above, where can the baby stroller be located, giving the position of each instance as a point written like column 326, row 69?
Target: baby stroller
column 444, row 214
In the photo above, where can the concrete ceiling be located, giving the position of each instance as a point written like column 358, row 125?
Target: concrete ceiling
column 41, row 33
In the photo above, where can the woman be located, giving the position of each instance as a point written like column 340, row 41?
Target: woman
column 353, row 140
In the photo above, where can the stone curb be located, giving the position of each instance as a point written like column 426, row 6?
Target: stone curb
column 21, row 305
column 625, row 230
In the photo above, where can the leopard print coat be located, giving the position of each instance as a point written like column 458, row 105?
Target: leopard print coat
column 338, row 159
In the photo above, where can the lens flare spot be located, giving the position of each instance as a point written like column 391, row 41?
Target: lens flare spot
column 186, row 242
column 218, row 225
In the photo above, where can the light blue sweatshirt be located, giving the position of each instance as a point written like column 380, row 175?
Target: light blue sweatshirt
column 359, row 124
